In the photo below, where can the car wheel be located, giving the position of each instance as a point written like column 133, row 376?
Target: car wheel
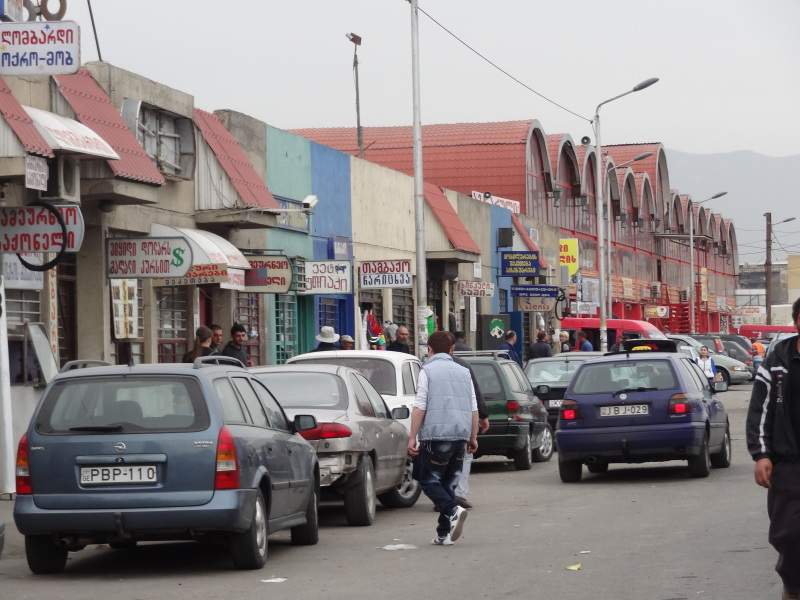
column 359, row 499
column 569, row 470
column 406, row 494
column 726, row 377
column 249, row 548
column 308, row 533
column 522, row 457
column 722, row 459
column 44, row 555
column 123, row 545
column 597, row 467
column 700, row 465
column 545, row 450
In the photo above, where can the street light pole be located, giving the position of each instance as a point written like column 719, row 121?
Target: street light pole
column 356, row 39
column 599, row 210
column 768, row 265
column 691, row 259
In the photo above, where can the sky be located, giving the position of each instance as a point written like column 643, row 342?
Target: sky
column 728, row 68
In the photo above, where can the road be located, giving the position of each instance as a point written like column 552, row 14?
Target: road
column 643, row 531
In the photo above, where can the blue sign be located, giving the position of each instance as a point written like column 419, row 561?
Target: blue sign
column 535, row 291
column 339, row 247
column 519, row 264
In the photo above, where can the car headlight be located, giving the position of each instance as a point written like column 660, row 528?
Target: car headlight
column 739, row 368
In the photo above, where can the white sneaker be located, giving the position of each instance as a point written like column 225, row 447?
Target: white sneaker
column 445, row 541
column 457, row 523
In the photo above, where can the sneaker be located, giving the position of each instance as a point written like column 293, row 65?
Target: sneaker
column 463, row 502
column 457, row 523
column 442, row 541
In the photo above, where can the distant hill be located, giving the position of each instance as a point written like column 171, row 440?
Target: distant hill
column 756, row 184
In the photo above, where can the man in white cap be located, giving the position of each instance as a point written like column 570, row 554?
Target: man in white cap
column 327, row 338
column 346, row 342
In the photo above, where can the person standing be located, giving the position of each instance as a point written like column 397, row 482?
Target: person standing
column 706, row 363
column 400, row 344
column 616, row 347
column 327, row 339
column 236, row 348
column 444, row 426
column 564, row 340
column 202, row 345
column 216, row 337
column 540, row 348
column 584, row 345
column 346, row 342
column 773, row 436
column 461, row 342
column 508, row 346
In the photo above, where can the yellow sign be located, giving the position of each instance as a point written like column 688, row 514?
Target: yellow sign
column 704, row 284
column 568, row 254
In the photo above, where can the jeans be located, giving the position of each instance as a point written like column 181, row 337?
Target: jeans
column 440, row 468
column 462, row 487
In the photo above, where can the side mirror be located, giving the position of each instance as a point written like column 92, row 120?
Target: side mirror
column 542, row 390
column 720, row 386
column 304, row 422
column 400, row 413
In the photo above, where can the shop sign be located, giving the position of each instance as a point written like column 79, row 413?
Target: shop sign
column 40, row 48
column 235, row 280
column 533, row 291
column 269, row 275
column 201, row 275
column 328, row 277
column 751, row 310
column 519, row 264
column 18, row 277
column 537, row 304
column 125, row 308
column 36, row 173
column 568, row 254
column 656, row 312
column 512, row 205
column 291, row 216
column 386, row 274
column 476, row 288
column 339, row 247
column 148, row 257
column 627, row 288
column 35, row 229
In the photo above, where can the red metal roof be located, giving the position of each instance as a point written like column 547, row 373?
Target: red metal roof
column 250, row 187
column 21, row 123
column 448, row 218
column 94, row 109
column 624, row 153
column 528, row 241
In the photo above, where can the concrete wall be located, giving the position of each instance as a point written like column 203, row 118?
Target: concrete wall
column 288, row 164
column 250, row 134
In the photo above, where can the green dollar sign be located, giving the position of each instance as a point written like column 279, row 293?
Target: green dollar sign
column 178, row 254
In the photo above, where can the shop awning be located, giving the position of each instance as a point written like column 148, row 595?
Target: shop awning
column 69, row 136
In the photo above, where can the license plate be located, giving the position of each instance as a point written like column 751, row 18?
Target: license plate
column 621, row 411
column 118, row 474
column 554, row 403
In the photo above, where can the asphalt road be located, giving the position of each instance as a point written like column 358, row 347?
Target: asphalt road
column 644, row 531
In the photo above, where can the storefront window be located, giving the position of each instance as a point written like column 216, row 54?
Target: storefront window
column 247, row 311
column 22, row 307
column 173, row 323
column 285, row 328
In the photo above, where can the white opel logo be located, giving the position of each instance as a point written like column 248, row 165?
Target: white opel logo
column 621, row 397
column 120, row 446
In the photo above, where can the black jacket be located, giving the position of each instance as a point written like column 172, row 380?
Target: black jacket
column 769, row 428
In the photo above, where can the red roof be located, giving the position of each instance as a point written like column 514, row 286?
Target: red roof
column 463, row 157
column 624, row 153
column 94, row 109
column 448, row 218
column 21, row 123
column 528, row 241
column 250, row 187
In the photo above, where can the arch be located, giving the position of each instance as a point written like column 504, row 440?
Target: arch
column 586, row 221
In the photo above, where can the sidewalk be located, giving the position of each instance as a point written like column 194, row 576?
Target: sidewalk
column 15, row 543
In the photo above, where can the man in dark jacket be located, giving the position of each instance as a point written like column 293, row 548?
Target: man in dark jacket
column 773, row 429
column 401, row 343
column 461, row 342
column 327, row 339
column 540, row 348
column 236, row 348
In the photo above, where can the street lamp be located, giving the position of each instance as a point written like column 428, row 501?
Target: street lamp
column 599, row 209
column 768, row 264
column 356, row 39
column 609, row 295
column 691, row 258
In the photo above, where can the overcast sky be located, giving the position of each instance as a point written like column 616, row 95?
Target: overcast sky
column 728, row 69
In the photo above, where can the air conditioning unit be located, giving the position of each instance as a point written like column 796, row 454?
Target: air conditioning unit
column 655, row 290
column 684, row 295
column 64, row 182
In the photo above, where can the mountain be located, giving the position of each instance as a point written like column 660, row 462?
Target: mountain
column 756, row 184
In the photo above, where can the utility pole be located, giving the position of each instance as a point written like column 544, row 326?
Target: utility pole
column 356, row 39
column 768, row 269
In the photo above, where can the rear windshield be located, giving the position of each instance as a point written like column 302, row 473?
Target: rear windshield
column 607, row 378
column 124, row 404
column 488, row 378
column 551, row 370
column 380, row 373
column 306, row 390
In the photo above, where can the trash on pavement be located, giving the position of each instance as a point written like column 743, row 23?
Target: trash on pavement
column 573, row 567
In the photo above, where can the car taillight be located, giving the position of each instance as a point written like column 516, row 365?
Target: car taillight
column 570, row 410
column 23, row 470
column 513, row 410
column 227, row 475
column 679, row 404
column 326, row 431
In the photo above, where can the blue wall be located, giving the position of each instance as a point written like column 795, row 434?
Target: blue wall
column 499, row 218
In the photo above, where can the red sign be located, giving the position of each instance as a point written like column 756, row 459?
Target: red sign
column 35, row 229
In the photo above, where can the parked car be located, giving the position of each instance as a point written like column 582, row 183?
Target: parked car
column 641, row 406
column 766, row 331
column 736, row 352
column 616, row 328
column 550, row 377
column 361, row 445
column 121, row 454
column 742, row 341
column 732, row 370
column 518, row 427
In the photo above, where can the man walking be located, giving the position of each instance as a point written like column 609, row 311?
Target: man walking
column 508, row 346
column 235, row 348
column 773, row 436
column 540, row 348
column 400, row 344
column 584, row 345
column 445, row 418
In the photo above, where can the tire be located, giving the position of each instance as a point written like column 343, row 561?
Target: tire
column 722, row 459
column 308, row 533
column 700, row 465
column 44, row 555
column 249, row 549
column 726, row 377
column 123, row 545
column 359, row 499
column 597, row 467
column 545, row 451
column 406, row 494
column 523, row 459
column 569, row 470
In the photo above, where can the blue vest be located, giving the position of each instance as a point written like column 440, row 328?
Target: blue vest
column 449, row 412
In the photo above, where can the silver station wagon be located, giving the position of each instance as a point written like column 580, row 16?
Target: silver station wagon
column 122, row 454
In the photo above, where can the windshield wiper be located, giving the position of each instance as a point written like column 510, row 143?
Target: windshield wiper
column 97, row 428
column 634, row 389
